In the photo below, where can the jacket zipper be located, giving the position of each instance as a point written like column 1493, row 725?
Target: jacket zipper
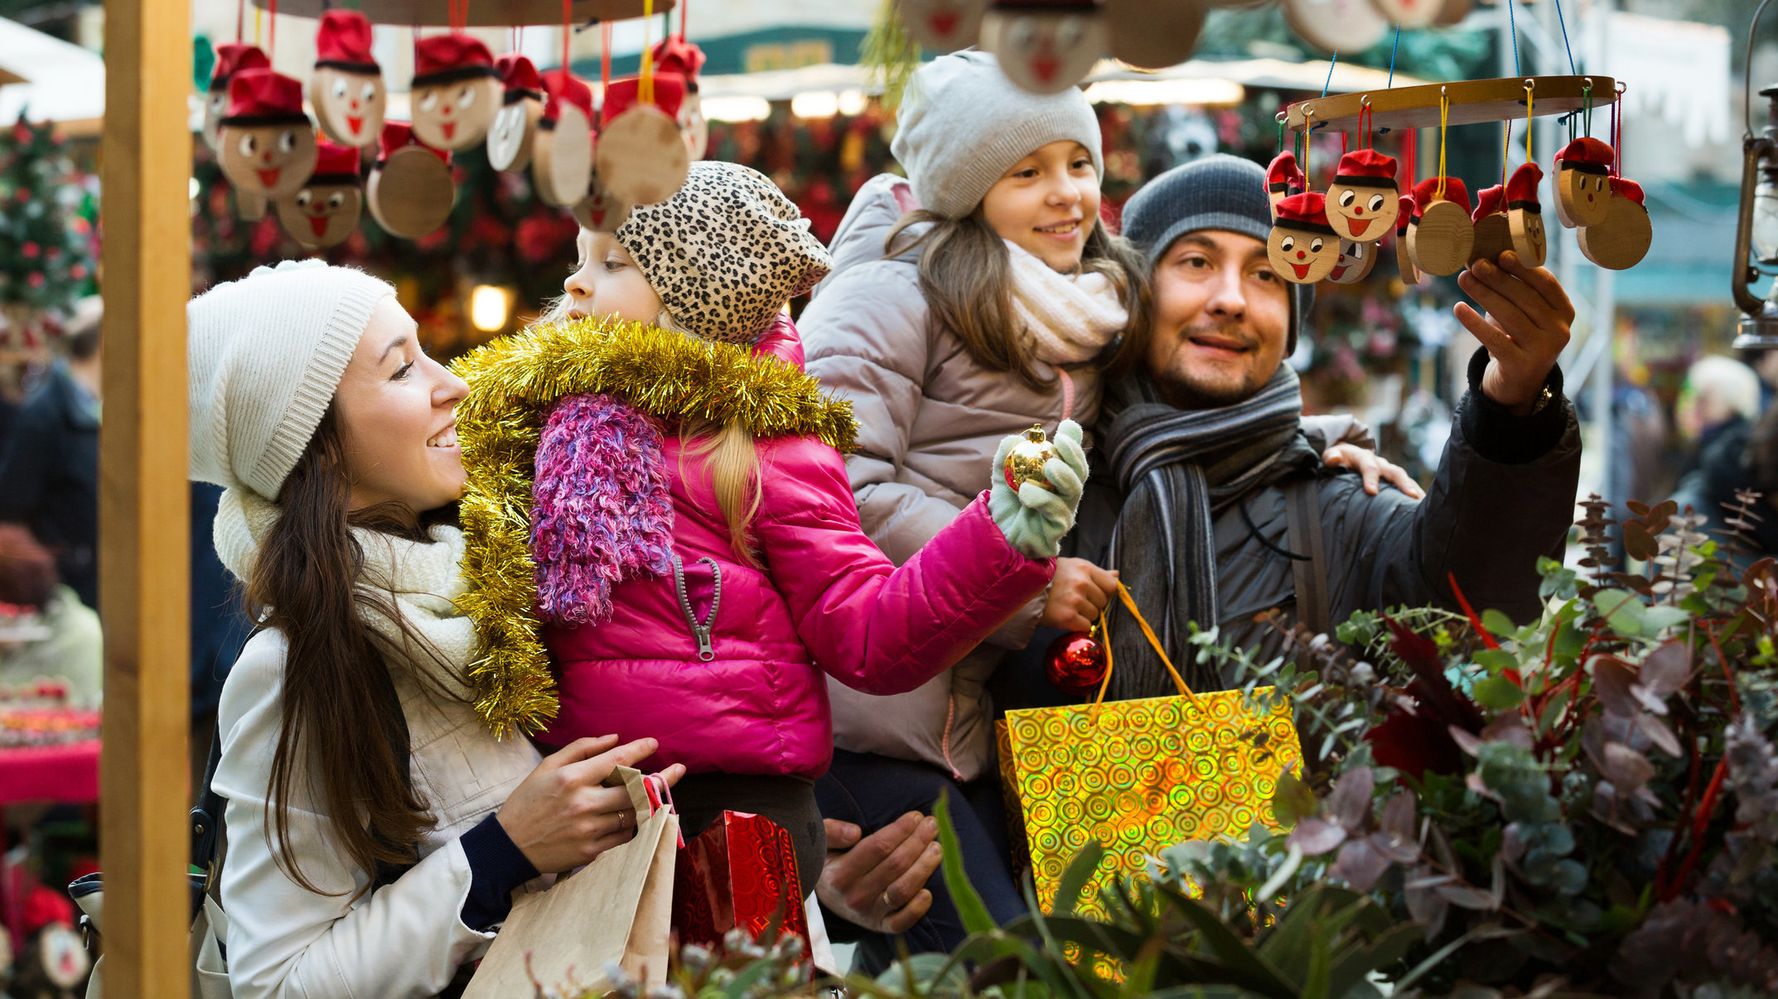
column 699, row 630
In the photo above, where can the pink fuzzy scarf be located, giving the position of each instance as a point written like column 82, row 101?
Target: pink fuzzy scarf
column 601, row 510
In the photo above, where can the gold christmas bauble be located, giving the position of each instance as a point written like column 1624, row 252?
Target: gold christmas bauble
column 1024, row 463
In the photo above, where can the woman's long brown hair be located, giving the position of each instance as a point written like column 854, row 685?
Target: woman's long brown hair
column 344, row 734
column 966, row 277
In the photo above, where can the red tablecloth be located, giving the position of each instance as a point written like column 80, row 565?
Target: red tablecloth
column 68, row 774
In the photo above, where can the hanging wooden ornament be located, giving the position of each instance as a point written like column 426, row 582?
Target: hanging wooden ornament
column 943, row 25
column 456, row 92
column 1154, row 34
column 1524, row 215
column 1622, row 240
column 1405, row 219
column 1283, row 179
column 1410, row 13
column 599, row 211
column 1441, row 240
column 1356, row 260
column 1336, row 25
column 411, row 190
column 1583, row 189
column 521, row 108
column 562, row 150
column 642, row 159
column 676, row 57
column 1302, row 247
column 268, row 143
column 327, row 208
column 231, row 58
column 1046, row 46
column 1363, row 200
column 250, row 207
column 347, row 89
column 1493, row 234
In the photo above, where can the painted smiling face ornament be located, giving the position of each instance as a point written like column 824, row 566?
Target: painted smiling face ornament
column 1302, row 247
column 1524, row 215
column 1046, row 46
column 1355, row 263
column 1283, row 179
column 943, row 25
column 347, row 88
column 268, row 143
column 231, row 58
column 456, row 92
column 1362, row 200
column 562, row 149
column 515, row 124
column 326, row 210
column 1622, row 240
column 1583, row 188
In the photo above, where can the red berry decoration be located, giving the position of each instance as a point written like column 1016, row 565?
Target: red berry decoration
column 1075, row 663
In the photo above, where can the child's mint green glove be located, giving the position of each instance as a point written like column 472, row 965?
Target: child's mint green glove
column 1035, row 519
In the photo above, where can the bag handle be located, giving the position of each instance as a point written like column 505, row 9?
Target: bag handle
column 1154, row 642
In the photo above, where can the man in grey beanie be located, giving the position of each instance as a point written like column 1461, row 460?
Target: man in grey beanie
column 1214, row 507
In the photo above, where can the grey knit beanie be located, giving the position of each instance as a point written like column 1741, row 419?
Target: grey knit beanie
column 265, row 355
column 1221, row 192
column 962, row 124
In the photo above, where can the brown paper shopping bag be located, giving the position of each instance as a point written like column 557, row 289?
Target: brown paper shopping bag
column 617, row 908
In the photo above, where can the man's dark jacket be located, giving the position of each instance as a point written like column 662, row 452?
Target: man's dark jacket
column 49, row 478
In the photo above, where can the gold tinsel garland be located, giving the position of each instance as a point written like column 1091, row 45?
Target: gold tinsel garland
column 512, row 384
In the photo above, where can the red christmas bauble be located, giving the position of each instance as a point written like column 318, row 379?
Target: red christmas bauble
column 1076, row 663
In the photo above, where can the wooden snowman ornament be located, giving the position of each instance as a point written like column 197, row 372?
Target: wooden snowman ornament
column 1405, row 218
column 1046, row 46
column 347, row 89
column 1283, row 179
column 1302, row 247
column 1493, row 234
column 411, row 190
column 943, row 25
column 562, row 150
column 268, row 143
column 678, row 58
column 521, row 108
column 456, row 93
column 1623, row 238
column 1442, row 239
column 1524, row 215
column 1355, row 262
column 1154, row 34
column 1583, row 188
column 231, row 58
column 327, row 208
column 642, row 159
column 1363, row 200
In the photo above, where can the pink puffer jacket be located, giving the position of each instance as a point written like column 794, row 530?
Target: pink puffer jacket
column 753, row 699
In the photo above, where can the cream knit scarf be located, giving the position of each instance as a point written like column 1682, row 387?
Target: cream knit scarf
column 421, row 578
column 1070, row 317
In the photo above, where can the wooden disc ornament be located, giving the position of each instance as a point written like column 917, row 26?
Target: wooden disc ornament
column 943, row 25
column 1355, row 262
column 521, row 108
column 411, row 191
column 1405, row 219
column 1583, row 182
column 1363, row 200
column 1302, row 247
column 231, row 58
column 1493, row 234
column 599, row 211
column 347, row 89
column 1441, row 240
column 327, row 208
column 1336, row 25
column 1622, row 240
column 1524, row 215
column 1046, row 46
column 267, row 142
column 642, row 158
column 676, row 57
column 456, row 92
column 1283, row 179
column 562, row 149
column 1154, row 34
column 1410, row 13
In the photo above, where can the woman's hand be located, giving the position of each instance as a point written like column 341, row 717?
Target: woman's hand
column 1373, row 467
column 562, row 816
column 1078, row 595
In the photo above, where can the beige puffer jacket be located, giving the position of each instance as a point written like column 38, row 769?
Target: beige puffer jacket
column 929, row 420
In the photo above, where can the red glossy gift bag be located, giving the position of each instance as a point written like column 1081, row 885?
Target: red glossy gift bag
column 741, row 872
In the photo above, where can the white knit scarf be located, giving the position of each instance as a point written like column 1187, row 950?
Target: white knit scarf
column 421, row 578
column 1070, row 317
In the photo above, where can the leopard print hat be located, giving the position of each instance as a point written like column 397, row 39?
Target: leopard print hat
column 726, row 252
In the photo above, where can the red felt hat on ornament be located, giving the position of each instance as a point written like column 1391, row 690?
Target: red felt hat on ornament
column 563, row 87
column 335, row 164
column 669, row 93
column 1426, row 192
column 519, row 76
column 1490, row 201
column 343, row 42
column 1521, row 189
column 676, row 55
column 399, row 135
column 232, row 58
column 264, row 97
column 1284, row 174
column 1306, row 211
column 1586, row 154
column 1406, row 212
column 1365, row 168
column 1624, row 187
column 456, row 56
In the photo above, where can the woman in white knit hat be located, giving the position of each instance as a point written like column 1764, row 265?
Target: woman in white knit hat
column 376, row 830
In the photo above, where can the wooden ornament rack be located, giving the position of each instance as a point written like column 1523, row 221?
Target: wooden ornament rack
column 1470, row 102
column 505, row 13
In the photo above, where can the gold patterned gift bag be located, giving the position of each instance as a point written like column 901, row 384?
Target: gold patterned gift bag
column 1139, row 775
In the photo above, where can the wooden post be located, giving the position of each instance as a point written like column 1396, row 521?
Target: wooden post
column 143, row 511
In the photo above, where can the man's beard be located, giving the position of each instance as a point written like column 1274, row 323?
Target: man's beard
column 1202, row 390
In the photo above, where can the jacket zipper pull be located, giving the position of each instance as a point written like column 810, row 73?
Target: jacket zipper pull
column 700, row 630
column 706, row 651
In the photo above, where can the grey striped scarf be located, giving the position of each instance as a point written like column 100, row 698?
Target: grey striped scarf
column 1177, row 469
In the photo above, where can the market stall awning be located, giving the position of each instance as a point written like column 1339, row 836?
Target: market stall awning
column 49, row 79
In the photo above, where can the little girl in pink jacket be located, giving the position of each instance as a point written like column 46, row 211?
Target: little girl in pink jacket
column 662, row 540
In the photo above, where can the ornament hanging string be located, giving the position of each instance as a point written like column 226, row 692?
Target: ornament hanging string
column 1512, row 29
column 1444, row 123
column 684, row 12
column 1330, row 68
column 567, row 31
column 1530, row 115
column 604, row 58
column 1280, row 120
column 1506, row 149
column 645, row 85
column 1308, row 133
column 1410, row 140
column 1394, row 47
column 1570, row 49
column 240, row 21
column 1617, row 133
column 271, row 40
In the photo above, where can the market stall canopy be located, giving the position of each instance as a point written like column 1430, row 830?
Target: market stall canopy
column 49, row 79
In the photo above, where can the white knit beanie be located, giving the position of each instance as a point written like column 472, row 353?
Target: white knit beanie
column 962, row 124
column 266, row 354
